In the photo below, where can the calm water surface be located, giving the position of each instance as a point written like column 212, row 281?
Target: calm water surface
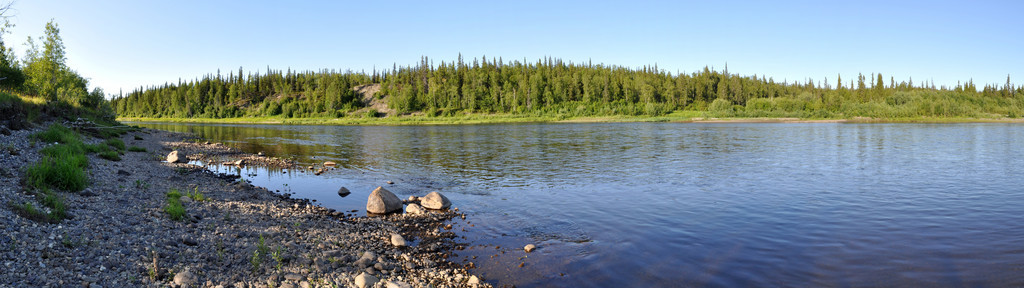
column 642, row 204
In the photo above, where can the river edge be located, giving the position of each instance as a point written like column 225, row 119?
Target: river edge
column 239, row 236
column 510, row 119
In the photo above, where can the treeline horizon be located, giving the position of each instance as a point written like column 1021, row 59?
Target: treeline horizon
column 552, row 87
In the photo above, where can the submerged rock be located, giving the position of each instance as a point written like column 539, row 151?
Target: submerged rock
column 176, row 157
column 382, row 201
column 434, row 200
column 343, row 192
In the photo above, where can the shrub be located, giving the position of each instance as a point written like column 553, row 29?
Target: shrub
column 136, row 149
column 720, row 105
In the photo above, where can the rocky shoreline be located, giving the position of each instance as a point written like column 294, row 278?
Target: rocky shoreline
column 234, row 235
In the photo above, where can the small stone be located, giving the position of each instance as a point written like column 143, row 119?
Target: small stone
column 176, row 157
column 185, row 199
column 185, row 278
column 390, row 182
column 365, row 280
column 123, row 173
column 414, row 209
column 435, row 200
column 293, row 277
column 473, row 280
column 398, row 284
column 329, row 163
column 240, row 162
column 397, row 240
column 259, row 153
column 305, row 284
column 529, row 248
column 382, row 201
column 287, row 285
column 343, row 192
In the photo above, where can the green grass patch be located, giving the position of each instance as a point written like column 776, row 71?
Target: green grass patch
column 137, row 137
column 48, row 198
column 136, row 149
column 116, row 143
column 174, row 208
column 62, row 173
column 57, row 133
column 110, row 155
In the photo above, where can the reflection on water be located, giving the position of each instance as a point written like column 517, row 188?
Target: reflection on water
column 643, row 204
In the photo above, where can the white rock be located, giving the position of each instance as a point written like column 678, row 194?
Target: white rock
column 176, row 157
column 434, row 200
column 397, row 240
column 382, row 201
column 473, row 280
column 329, row 163
column 414, row 209
column 398, row 284
column 530, row 247
column 365, row 280
column 185, row 279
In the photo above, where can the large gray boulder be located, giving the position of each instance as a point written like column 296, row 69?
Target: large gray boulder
column 382, row 201
column 434, row 200
column 176, row 157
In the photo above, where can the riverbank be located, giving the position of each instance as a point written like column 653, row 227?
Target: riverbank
column 678, row 117
column 119, row 232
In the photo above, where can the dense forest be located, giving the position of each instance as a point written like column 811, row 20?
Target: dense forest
column 554, row 87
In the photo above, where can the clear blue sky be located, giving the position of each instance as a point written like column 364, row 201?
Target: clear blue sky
column 128, row 44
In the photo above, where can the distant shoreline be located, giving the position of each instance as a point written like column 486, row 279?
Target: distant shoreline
column 510, row 119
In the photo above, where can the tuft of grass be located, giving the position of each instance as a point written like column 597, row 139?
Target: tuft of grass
column 62, row 173
column 137, row 137
column 116, row 143
column 136, row 149
column 57, row 133
column 110, row 155
column 48, row 198
column 174, row 208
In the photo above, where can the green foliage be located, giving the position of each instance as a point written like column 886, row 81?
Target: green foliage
column 136, row 149
column 174, row 208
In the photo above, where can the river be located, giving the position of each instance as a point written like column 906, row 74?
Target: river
column 686, row 204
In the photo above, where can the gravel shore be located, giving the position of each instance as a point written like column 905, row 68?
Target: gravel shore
column 238, row 236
